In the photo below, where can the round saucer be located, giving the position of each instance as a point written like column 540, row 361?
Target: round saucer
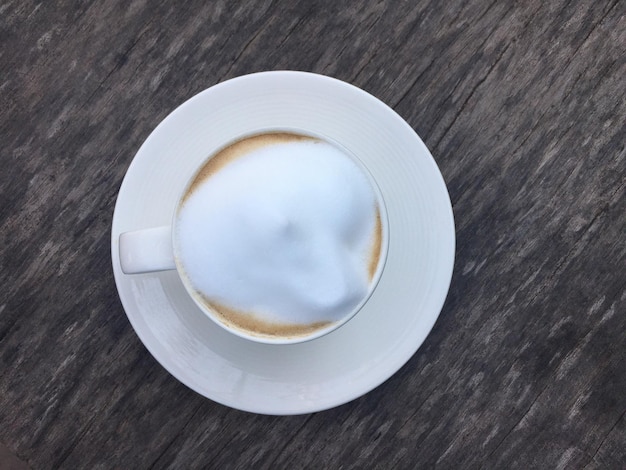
column 363, row 353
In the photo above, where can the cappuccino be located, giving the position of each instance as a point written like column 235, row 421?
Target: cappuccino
column 279, row 235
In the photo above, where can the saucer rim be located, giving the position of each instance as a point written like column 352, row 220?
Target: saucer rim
column 393, row 363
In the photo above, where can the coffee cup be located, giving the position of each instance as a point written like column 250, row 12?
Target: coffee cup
column 279, row 237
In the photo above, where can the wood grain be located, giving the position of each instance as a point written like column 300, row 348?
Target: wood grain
column 523, row 105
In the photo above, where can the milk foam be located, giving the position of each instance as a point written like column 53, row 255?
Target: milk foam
column 284, row 233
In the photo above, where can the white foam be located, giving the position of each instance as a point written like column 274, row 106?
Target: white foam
column 284, row 232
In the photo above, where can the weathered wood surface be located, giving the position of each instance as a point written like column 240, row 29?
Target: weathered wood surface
column 523, row 105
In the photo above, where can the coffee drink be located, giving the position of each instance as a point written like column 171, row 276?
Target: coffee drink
column 279, row 235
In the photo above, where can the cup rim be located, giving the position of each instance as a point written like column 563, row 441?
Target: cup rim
column 283, row 340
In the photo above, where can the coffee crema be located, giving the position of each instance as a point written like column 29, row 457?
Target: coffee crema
column 279, row 235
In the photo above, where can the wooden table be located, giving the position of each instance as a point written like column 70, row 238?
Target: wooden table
column 523, row 106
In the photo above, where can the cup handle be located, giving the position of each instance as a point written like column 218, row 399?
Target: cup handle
column 148, row 250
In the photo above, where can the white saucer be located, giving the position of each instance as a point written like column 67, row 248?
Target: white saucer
column 345, row 364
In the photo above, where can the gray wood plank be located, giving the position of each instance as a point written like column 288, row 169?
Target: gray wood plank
column 523, row 105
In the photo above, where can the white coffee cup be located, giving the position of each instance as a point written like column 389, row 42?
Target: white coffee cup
column 163, row 248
